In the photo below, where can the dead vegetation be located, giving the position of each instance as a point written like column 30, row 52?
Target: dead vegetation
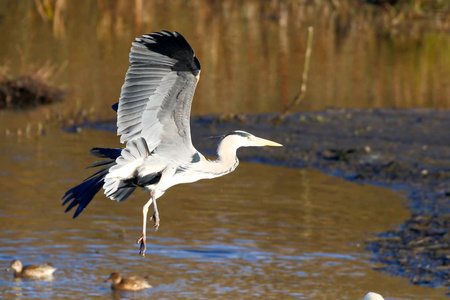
column 27, row 92
column 31, row 89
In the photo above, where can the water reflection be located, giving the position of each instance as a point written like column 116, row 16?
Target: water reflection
column 251, row 52
column 261, row 232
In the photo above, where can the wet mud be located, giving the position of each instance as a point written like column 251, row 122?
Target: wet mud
column 405, row 149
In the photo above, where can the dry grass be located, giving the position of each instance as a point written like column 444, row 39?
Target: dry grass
column 31, row 88
column 399, row 17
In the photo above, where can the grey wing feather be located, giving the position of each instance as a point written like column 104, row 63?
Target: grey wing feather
column 155, row 100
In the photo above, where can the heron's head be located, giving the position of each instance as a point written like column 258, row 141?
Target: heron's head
column 239, row 138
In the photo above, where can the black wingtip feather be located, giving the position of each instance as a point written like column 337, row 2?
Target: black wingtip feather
column 174, row 45
column 83, row 193
column 111, row 153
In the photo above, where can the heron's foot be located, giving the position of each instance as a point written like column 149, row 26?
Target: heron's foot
column 155, row 218
column 143, row 246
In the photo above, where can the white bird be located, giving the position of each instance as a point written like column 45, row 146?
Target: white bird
column 373, row 296
column 153, row 116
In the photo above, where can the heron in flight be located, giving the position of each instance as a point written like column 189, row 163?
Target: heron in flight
column 153, row 116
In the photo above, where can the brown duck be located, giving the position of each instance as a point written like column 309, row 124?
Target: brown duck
column 133, row 283
column 31, row 271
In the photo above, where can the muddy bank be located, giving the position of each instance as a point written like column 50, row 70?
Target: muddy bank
column 406, row 149
column 27, row 92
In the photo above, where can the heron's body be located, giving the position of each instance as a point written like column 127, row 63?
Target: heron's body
column 148, row 171
column 153, row 120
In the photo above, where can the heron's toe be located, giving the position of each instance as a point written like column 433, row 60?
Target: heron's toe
column 156, row 219
column 143, row 245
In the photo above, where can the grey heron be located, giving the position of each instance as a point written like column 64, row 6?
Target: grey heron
column 153, row 116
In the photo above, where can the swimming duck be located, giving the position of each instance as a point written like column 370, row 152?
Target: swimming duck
column 31, row 271
column 133, row 283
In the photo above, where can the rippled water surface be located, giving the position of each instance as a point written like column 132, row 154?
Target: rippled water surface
column 262, row 232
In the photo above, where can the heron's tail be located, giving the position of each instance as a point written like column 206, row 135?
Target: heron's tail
column 83, row 193
column 120, row 181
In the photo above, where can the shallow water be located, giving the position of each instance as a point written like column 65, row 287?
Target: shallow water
column 263, row 232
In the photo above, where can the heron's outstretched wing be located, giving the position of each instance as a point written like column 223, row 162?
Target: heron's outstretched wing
column 155, row 101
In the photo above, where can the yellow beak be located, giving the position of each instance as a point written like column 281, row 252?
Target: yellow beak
column 264, row 142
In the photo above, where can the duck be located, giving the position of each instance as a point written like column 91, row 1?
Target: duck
column 133, row 283
column 373, row 296
column 31, row 271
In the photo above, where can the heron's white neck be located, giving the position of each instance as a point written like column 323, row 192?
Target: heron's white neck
column 226, row 161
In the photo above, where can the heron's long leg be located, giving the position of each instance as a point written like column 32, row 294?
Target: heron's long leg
column 155, row 216
column 142, row 239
